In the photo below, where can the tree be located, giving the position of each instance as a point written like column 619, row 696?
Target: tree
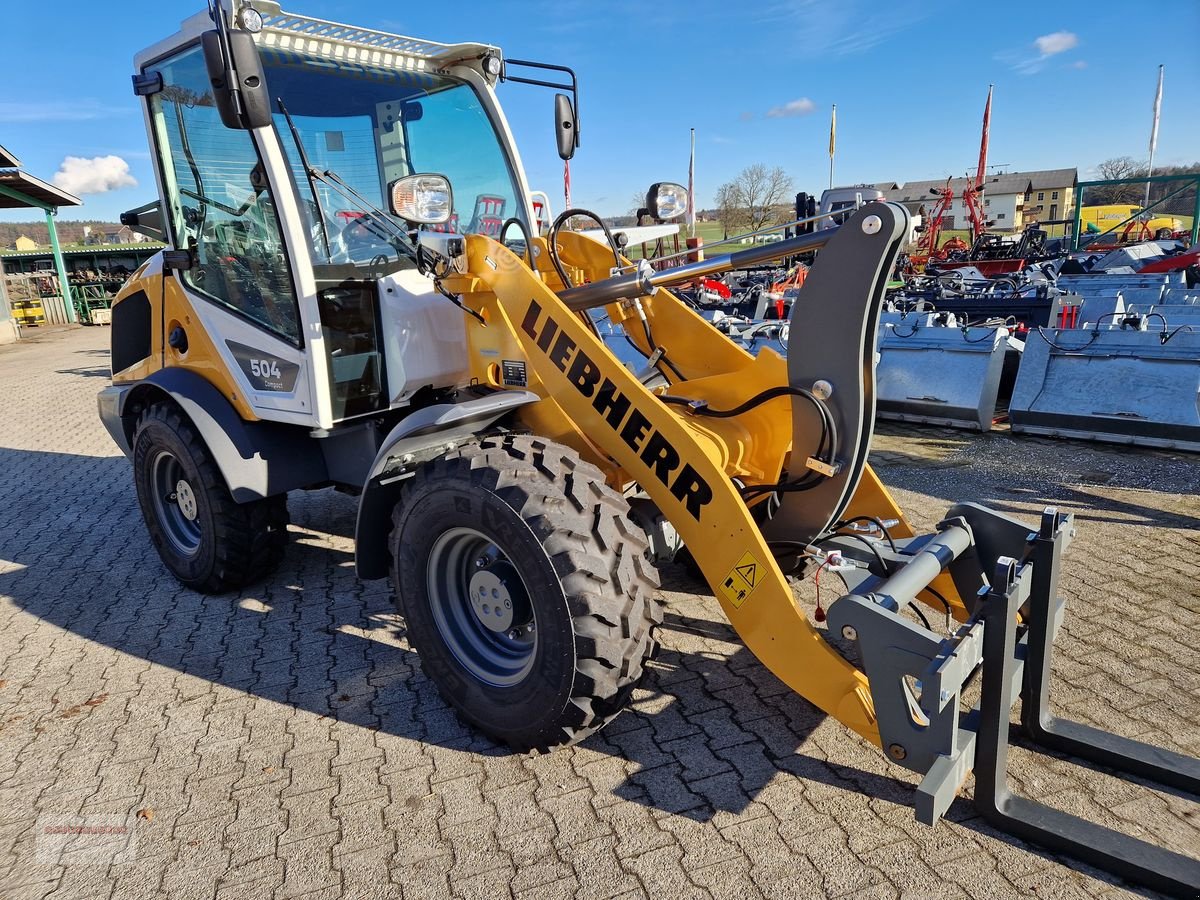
column 1113, row 169
column 754, row 198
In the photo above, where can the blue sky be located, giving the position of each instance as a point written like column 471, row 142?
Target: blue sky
column 1074, row 86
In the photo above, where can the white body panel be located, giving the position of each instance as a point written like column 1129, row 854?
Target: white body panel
column 424, row 336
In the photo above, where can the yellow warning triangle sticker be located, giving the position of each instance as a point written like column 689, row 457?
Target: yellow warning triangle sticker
column 749, row 573
column 741, row 580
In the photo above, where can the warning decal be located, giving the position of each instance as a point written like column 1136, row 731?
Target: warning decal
column 742, row 579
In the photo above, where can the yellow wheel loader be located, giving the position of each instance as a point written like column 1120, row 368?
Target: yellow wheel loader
column 358, row 294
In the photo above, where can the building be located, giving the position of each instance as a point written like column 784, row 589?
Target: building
column 1011, row 201
column 24, row 244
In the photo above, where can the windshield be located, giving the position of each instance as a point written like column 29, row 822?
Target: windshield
column 371, row 126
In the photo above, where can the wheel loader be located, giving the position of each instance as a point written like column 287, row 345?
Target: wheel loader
column 357, row 293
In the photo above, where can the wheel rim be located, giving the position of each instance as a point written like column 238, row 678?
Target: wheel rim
column 481, row 607
column 175, row 503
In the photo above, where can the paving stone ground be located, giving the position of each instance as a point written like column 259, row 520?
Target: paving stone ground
column 283, row 742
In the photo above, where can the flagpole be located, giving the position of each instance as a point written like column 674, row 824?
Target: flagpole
column 692, row 188
column 1154, row 133
column 832, row 142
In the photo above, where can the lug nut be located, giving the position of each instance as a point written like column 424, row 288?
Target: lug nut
column 897, row 752
column 481, row 563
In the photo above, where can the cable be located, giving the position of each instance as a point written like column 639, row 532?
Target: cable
column 1095, row 335
column 1164, row 337
column 552, row 236
column 828, row 433
column 845, row 523
column 513, row 220
column 862, row 540
column 828, row 425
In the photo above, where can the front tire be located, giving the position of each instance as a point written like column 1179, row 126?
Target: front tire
column 526, row 589
column 207, row 540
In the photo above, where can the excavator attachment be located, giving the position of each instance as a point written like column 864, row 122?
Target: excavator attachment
column 760, row 466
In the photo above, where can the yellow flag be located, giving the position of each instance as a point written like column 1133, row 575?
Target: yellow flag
column 833, row 131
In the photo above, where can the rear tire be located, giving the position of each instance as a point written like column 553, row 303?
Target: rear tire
column 526, row 589
column 207, row 540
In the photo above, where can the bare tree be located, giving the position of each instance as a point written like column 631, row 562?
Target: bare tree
column 1114, row 169
column 754, row 198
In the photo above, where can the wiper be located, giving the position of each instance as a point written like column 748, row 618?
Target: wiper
column 310, row 173
column 335, row 181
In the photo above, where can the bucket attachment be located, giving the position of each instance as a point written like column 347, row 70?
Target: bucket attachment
column 917, row 680
column 1113, row 385
column 942, row 375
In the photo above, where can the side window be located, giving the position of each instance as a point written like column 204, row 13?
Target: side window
column 220, row 202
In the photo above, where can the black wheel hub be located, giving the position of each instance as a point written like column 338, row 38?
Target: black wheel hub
column 175, row 503
column 481, row 607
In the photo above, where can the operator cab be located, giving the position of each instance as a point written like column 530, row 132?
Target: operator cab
column 294, row 250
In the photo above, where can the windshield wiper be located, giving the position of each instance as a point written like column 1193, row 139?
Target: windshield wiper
column 310, row 173
column 335, row 182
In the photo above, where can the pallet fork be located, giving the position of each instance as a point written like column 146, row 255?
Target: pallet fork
column 1004, row 667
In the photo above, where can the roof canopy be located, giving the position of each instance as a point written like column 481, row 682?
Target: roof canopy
column 34, row 193
column 8, row 161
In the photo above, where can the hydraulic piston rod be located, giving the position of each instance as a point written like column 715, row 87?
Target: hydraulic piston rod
column 902, row 587
column 645, row 280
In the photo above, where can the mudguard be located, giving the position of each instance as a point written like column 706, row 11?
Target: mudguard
column 257, row 459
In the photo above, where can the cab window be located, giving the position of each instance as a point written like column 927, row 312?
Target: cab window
column 221, row 205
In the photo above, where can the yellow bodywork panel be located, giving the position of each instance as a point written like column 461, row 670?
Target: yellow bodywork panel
column 683, row 465
column 169, row 308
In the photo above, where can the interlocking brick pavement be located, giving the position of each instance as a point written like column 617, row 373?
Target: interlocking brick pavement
column 284, row 742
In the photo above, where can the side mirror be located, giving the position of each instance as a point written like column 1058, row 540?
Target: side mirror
column 239, row 86
column 422, row 199
column 564, row 126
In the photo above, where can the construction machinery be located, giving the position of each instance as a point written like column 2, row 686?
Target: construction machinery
column 355, row 294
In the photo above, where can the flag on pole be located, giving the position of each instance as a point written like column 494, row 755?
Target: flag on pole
column 567, row 183
column 832, row 142
column 1157, row 110
column 691, row 201
column 981, row 173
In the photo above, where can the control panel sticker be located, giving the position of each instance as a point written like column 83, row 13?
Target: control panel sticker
column 743, row 578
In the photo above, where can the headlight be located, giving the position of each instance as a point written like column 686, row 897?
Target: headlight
column 667, row 200
column 491, row 65
column 422, row 199
column 250, row 19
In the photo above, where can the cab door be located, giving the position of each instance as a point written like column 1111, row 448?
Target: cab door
column 241, row 289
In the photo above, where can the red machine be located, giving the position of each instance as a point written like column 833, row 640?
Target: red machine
column 927, row 246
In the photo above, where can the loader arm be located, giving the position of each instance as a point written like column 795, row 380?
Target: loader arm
column 685, row 463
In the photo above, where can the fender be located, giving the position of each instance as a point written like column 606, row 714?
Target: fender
column 427, row 433
column 258, row 459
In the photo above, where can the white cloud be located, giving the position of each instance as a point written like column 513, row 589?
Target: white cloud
column 801, row 107
column 97, row 175
column 1046, row 46
column 1057, row 42
column 1079, row 64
